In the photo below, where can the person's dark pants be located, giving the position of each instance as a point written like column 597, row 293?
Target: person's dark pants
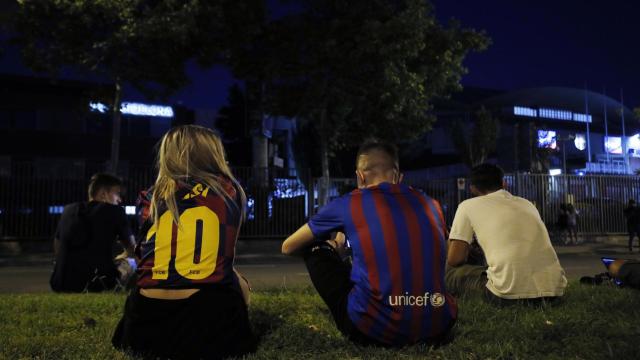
column 464, row 279
column 467, row 279
column 211, row 324
column 79, row 275
column 331, row 278
column 634, row 231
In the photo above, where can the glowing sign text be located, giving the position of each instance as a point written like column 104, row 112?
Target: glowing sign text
column 136, row 109
column 551, row 114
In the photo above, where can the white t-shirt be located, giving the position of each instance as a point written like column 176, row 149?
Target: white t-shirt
column 522, row 262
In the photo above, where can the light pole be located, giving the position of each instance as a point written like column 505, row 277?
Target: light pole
column 564, row 152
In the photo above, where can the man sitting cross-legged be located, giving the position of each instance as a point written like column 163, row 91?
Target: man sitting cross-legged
column 394, row 293
column 522, row 264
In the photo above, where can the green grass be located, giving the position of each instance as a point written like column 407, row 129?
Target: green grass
column 590, row 323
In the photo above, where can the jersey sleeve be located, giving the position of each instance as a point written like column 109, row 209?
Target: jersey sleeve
column 329, row 219
column 461, row 228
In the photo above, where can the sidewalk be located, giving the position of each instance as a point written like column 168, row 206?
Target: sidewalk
column 262, row 263
column 247, row 252
column 268, row 252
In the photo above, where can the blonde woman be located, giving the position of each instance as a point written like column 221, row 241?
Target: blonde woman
column 189, row 301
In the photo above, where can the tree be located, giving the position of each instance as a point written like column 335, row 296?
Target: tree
column 476, row 148
column 234, row 125
column 142, row 42
column 362, row 68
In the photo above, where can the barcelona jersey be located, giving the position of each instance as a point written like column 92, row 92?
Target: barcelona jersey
column 397, row 235
column 200, row 249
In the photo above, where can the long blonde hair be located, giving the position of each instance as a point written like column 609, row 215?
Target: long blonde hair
column 191, row 152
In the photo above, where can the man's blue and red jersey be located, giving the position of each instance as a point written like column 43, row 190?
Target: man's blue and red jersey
column 200, row 250
column 398, row 239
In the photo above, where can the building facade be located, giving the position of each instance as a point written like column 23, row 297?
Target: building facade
column 542, row 130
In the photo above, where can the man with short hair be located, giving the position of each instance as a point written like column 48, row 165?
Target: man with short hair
column 522, row 263
column 84, row 239
column 394, row 293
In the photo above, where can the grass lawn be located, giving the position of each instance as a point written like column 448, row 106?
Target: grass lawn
column 590, row 323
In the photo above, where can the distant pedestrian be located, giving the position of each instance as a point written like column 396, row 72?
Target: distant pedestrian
column 632, row 214
column 562, row 223
column 572, row 224
column 84, row 239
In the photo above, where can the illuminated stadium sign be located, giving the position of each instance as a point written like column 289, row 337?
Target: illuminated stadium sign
column 525, row 111
column 136, row 109
column 551, row 114
column 547, row 139
column 613, row 144
column 580, row 142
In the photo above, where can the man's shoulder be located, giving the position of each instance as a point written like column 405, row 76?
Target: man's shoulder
column 78, row 208
column 101, row 209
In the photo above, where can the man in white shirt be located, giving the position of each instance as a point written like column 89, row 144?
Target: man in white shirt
column 522, row 263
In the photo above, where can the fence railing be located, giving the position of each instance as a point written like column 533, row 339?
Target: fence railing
column 599, row 199
column 280, row 200
column 32, row 199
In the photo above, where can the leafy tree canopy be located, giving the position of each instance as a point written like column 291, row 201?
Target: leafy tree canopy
column 144, row 42
column 360, row 68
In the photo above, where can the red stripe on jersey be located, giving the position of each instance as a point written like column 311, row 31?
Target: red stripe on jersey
column 393, row 254
column 368, row 253
column 230, row 239
column 212, row 201
column 366, row 320
column 415, row 246
column 436, row 315
column 442, row 222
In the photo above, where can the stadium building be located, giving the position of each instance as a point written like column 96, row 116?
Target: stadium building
column 543, row 130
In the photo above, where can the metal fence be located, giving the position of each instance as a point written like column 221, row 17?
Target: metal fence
column 280, row 200
column 599, row 199
column 33, row 195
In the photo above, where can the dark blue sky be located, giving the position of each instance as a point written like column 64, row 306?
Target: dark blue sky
column 535, row 43
column 554, row 43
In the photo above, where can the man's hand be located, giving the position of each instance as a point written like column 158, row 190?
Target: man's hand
column 339, row 243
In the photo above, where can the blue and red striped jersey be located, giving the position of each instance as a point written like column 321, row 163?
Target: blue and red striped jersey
column 398, row 239
column 200, row 250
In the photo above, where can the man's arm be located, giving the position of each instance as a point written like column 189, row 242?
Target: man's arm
column 124, row 233
column 299, row 240
column 458, row 252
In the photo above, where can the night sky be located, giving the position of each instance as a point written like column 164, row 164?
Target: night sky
column 535, row 43
column 554, row 43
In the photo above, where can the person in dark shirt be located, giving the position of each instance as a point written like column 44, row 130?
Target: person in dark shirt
column 632, row 214
column 84, row 239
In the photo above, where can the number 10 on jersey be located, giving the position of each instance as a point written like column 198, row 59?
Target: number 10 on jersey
column 197, row 225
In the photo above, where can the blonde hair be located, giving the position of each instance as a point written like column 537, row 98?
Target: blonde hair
column 191, row 152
